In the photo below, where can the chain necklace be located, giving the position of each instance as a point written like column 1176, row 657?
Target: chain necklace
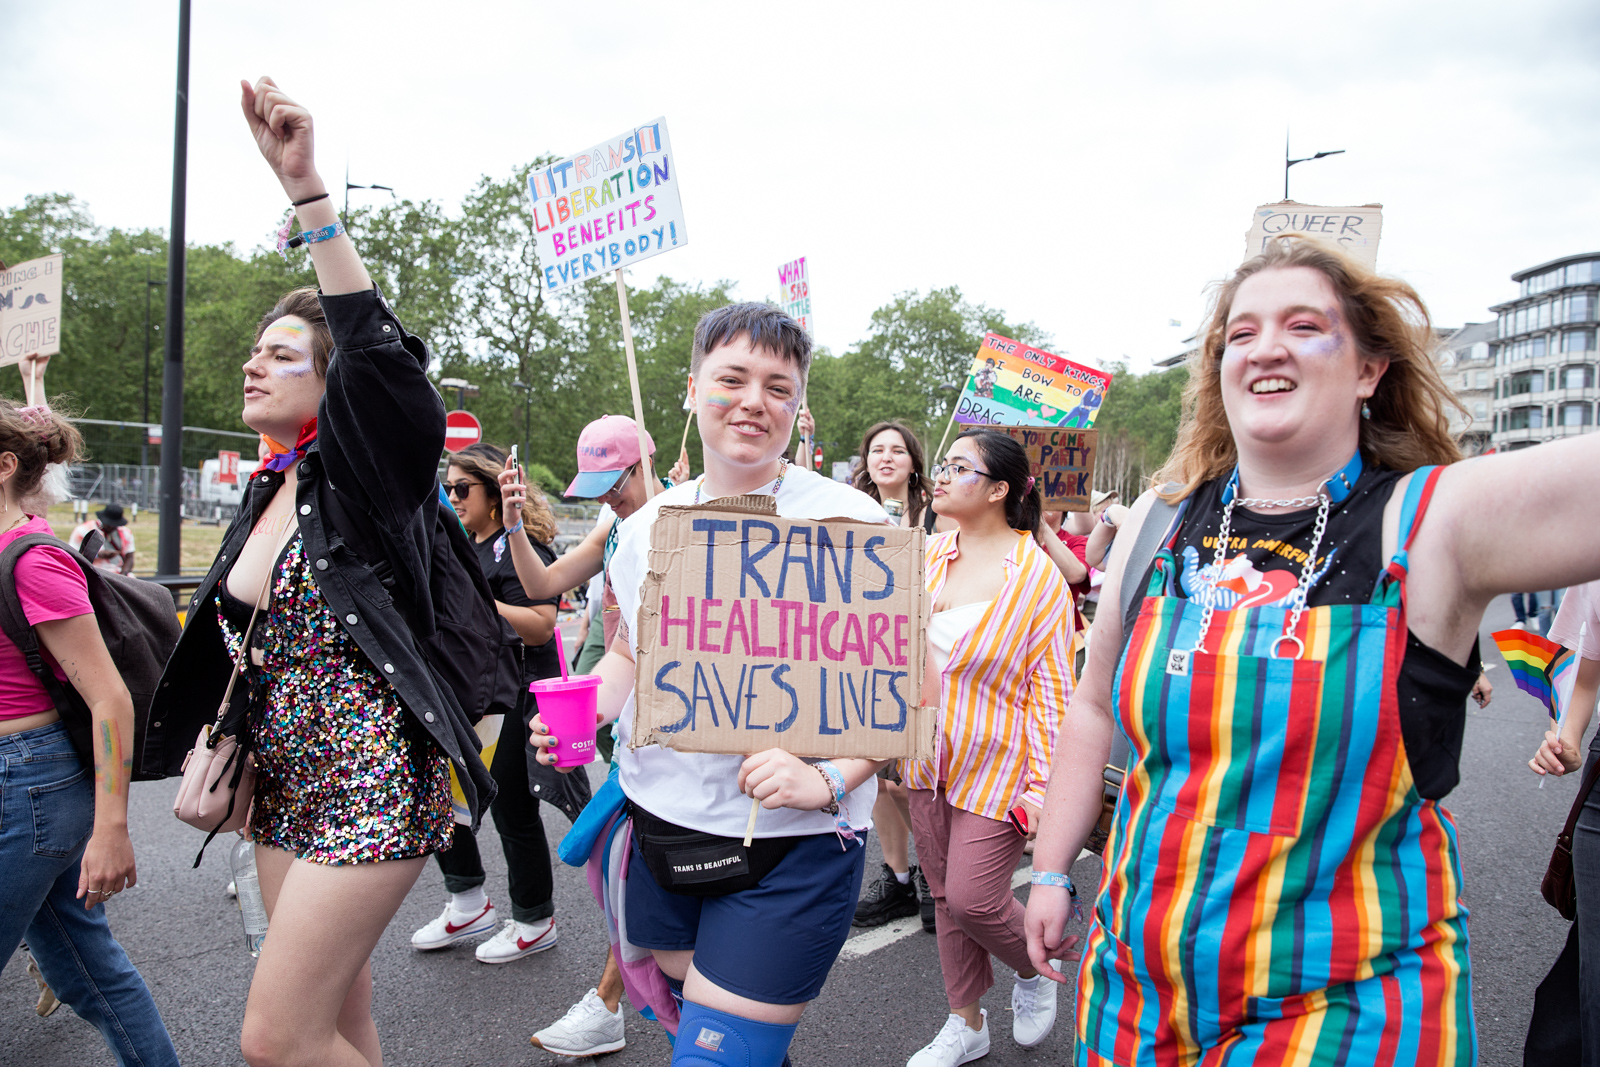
column 782, row 470
column 1297, row 599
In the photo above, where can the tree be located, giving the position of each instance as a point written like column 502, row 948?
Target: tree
column 1138, row 425
column 919, row 347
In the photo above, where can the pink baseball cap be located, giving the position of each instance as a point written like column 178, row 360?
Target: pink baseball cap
column 608, row 446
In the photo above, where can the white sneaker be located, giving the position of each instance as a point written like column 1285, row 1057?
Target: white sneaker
column 516, row 940
column 588, row 1028
column 957, row 1043
column 1034, row 1010
column 453, row 926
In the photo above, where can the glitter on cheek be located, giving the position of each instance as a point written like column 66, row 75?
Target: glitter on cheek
column 791, row 405
column 970, row 478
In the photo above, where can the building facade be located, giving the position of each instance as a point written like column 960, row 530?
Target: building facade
column 1467, row 364
column 1544, row 354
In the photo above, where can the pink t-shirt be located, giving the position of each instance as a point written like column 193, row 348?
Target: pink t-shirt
column 50, row 587
column 1577, row 624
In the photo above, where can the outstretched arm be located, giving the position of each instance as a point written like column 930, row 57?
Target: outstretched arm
column 580, row 562
column 282, row 129
column 1463, row 554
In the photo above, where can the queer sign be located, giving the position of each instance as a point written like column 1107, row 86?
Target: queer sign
column 1062, row 461
column 1013, row 384
column 30, row 309
column 795, row 298
column 757, row 632
column 608, row 207
column 1355, row 229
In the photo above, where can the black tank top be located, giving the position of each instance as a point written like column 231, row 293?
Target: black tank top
column 1264, row 558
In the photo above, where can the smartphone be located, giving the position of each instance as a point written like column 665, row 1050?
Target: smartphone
column 1018, row 818
column 514, row 457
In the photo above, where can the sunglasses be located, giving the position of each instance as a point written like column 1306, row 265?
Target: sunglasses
column 461, row 489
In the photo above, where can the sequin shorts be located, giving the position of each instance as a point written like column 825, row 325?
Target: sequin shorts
column 343, row 775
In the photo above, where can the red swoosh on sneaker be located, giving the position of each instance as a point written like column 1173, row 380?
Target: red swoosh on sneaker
column 524, row 946
column 452, row 928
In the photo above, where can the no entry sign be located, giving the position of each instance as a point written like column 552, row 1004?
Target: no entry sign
column 461, row 428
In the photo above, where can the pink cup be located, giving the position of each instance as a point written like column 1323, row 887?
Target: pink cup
column 567, row 707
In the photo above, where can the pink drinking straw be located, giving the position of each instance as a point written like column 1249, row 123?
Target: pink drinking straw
column 561, row 654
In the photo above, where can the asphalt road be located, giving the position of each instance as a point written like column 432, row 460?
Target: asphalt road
column 447, row 1009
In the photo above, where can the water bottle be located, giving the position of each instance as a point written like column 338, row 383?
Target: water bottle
column 252, row 909
column 895, row 508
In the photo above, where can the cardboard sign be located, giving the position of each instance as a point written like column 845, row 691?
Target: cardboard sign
column 757, row 632
column 609, row 207
column 795, row 297
column 1355, row 229
column 30, row 309
column 1013, row 384
column 1061, row 460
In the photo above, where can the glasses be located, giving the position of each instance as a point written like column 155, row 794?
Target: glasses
column 461, row 489
column 943, row 472
column 615, row 492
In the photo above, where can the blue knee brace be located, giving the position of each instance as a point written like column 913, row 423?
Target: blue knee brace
column 711, row 1038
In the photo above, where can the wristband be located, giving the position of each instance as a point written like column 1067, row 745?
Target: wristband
column 311, row 200
column 841, row 816
column 514, row 529
column 322, row 233
column 1060, row 881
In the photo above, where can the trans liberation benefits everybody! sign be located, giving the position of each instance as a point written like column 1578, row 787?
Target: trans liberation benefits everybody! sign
column 609, row 207
column 757, row 631
column 1013, row 384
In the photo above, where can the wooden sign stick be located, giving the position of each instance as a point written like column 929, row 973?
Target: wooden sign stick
column 652, row 486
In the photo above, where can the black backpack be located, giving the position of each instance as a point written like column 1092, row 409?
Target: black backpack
column 473, row 650
column 137, row 620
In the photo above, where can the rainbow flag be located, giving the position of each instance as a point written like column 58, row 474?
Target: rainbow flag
column 1538, row 665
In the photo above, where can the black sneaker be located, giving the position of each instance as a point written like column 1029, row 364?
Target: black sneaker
column 887, row 900
column 924, row 900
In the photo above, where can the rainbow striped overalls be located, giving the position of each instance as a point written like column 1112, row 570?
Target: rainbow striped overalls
column 1276, row 891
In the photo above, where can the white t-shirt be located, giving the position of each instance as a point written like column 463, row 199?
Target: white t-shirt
column 1577, row 624
column 701, row 790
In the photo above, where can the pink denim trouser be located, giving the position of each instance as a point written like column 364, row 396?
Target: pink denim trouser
column 977, row 915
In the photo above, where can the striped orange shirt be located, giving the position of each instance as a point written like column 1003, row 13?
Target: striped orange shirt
column 1005, row 689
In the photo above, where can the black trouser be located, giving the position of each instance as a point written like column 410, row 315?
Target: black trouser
column 515, row 811
column 1566, row 1008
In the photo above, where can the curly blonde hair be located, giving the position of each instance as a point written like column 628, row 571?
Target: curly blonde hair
column 38, row 438
column 1410, row 422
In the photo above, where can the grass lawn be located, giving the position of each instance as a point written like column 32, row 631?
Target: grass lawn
column 200, row 542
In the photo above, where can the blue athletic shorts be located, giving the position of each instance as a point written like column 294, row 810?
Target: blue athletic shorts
column 774, row 943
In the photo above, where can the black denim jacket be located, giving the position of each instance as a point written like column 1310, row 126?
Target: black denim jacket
column 380, row 432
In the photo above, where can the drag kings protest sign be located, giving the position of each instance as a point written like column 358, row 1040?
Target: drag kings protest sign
column 795, row 297
column 609, row 207
column 1013, row 384
column 30, row 309
column 1355, row 229
column 757, row 632
column 1061, row 461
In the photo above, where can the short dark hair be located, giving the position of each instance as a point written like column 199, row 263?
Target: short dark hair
column 763, row 324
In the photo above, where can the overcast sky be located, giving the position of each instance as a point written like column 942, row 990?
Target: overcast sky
column 1088, row 167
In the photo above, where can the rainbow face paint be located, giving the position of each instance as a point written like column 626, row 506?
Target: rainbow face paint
column 717, row 398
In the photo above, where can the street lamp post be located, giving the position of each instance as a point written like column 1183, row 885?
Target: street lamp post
column 527, row 396
column 144, row 445
column 345, row 218
column 1287, row 162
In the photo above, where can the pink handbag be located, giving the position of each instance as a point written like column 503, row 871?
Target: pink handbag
column 218, row 782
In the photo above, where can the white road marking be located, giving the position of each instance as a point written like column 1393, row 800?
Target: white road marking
column 870, row 941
